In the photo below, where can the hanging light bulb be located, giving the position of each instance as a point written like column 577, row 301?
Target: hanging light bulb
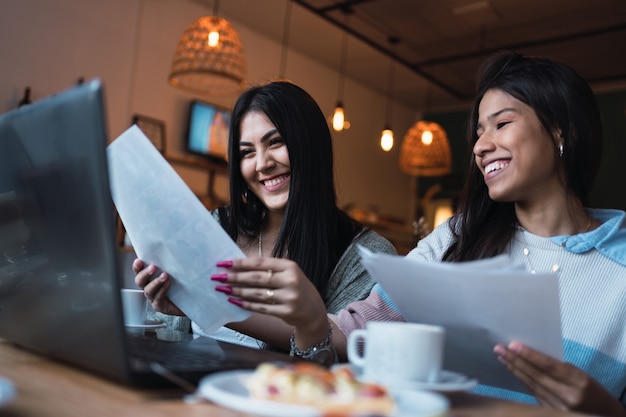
column 386, row 139
column 214, row 38
column 427, row 137
column 338, row 117
column 339, row 121
column 214, row 31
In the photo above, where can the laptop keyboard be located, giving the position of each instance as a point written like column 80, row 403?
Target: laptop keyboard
column 177, row 357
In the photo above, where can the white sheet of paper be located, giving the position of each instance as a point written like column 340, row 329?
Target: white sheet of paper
column 480, row 304
column 169, row 227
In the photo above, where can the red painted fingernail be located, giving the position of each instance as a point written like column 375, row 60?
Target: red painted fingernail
column 224, row 264
column 226, row 289
column 219, row 277
column 235, row 301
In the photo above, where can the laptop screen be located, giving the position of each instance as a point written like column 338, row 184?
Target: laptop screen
column 59, row 269
column 58, row 260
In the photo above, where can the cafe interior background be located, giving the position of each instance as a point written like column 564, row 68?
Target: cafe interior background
column 390, row 63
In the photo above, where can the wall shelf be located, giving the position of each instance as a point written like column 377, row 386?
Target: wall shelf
column 213, row 169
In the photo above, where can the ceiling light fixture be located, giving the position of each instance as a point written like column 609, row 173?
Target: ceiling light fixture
column 425, row 152
column 209, row 58
column 339, row 121
column 386, row 138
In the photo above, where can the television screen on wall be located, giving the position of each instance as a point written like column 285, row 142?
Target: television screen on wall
column 207, row 133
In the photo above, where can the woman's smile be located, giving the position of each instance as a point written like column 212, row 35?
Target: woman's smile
column 275, row 183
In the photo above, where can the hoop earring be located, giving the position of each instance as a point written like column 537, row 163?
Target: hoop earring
column 561, row 150
column 244, row 197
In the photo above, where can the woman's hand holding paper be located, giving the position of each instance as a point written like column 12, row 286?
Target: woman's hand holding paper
column 557, row 384
column 155, row 287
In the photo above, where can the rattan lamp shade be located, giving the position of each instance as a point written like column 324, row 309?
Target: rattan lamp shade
column 425, row 160
column 200, row 68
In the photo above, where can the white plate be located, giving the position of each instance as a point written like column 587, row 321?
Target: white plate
column 448, row 381
column 147, row 325
column 228, row 389
column 7, row 391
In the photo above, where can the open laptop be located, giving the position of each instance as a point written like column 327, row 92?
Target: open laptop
column 60, row 274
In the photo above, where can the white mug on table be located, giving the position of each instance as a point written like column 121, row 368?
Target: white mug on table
column 135, row 307
column 395, row 351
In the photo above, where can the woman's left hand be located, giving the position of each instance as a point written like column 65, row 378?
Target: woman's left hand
column 558, row 384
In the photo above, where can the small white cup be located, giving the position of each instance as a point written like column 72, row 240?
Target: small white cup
column 395, row 352
column 135, row 307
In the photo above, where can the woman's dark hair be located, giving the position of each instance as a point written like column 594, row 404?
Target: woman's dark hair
column 564, row 103
column 315, row 232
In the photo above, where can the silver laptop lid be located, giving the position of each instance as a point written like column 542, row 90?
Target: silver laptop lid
column 59, row 288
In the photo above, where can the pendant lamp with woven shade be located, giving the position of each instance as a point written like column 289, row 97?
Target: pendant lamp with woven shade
column 209, row 59
column 425, row 152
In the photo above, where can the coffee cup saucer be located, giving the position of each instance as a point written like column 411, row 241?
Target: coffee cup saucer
column 448, row 381
column 148, row 324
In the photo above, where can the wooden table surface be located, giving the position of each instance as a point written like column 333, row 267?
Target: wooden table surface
column 46, row 388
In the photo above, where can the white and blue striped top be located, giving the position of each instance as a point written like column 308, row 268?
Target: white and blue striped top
column 592, row 284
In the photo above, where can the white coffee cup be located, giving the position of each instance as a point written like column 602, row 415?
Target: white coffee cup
column 135, row 307
column 397, row 352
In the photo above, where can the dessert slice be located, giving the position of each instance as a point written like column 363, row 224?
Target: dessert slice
column 334, row 392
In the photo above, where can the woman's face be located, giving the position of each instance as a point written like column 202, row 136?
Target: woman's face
column 514, row 152
column 265, row 161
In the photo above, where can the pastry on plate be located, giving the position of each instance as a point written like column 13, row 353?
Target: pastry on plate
column 333, row 392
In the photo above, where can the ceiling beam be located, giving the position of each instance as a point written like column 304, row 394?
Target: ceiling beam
column 410, row 65
column 521, row 45
column 424, row 68
column 344, row 6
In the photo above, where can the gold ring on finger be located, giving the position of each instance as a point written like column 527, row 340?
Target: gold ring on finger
column 270, row 296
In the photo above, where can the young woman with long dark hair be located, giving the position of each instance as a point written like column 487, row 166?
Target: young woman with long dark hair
column 283, row 206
